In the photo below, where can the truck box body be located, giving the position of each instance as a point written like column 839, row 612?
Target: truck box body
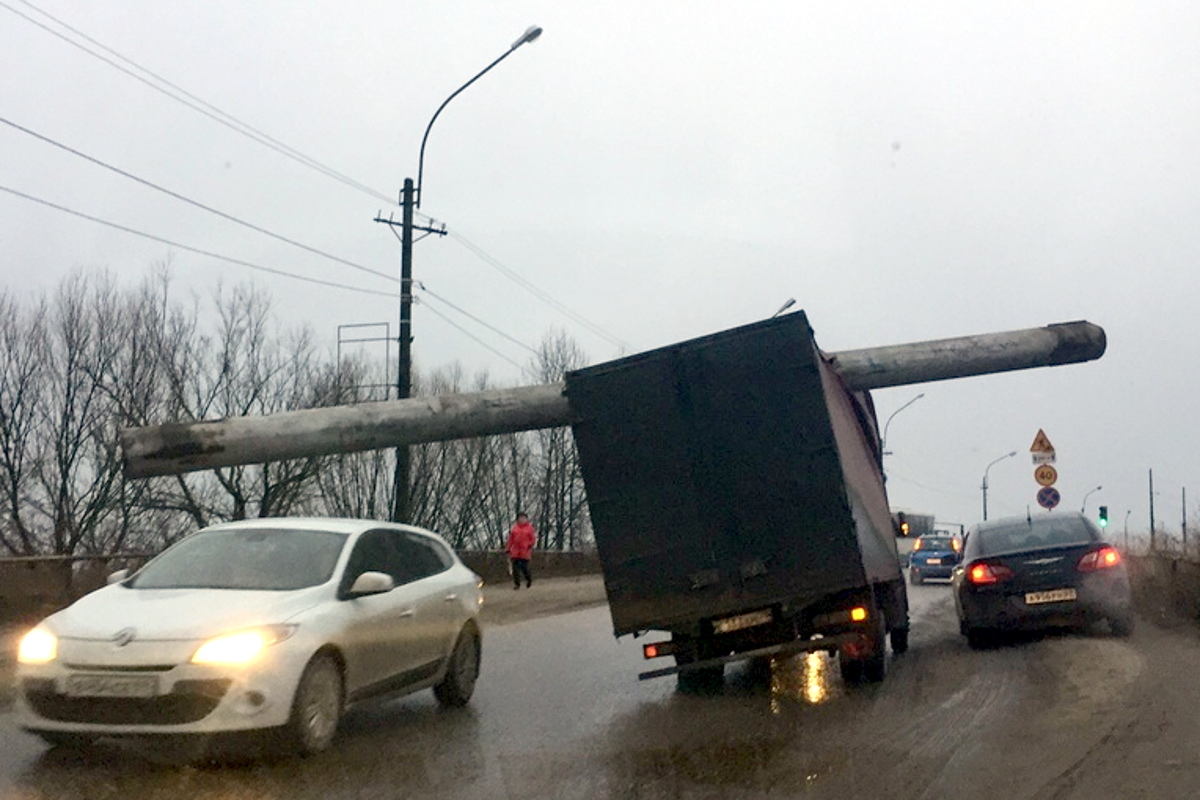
column 730, row 473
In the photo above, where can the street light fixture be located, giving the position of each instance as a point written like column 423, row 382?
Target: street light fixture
column 410, row 199
column 883, row 444
column 1090, row 492
column 985, row 476
column 791, row 301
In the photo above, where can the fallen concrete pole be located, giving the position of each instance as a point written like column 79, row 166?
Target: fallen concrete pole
column 187, row 447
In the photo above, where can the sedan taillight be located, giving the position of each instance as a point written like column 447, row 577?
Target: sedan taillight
column 982, row 574
column 1104, row 558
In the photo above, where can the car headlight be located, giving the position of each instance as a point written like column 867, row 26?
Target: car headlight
column 39, row 646
column 241, row 647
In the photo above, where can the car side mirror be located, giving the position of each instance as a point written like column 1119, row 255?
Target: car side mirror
column 371, row 583
column 120, row 576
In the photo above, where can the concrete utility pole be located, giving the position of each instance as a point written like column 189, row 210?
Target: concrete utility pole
column 187, row 447
column 410, row 199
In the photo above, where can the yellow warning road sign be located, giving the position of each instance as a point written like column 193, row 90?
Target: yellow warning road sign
column 1041, row 443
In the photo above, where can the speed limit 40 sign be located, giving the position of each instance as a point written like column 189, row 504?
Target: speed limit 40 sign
column 1045, row 475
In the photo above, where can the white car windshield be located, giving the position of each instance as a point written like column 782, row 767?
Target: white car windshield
column 263, row 559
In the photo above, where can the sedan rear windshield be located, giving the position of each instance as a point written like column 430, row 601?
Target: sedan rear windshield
column 272, row 560
column 1032, row 536
column 936, row 543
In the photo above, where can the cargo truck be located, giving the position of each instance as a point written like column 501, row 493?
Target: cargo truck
column 738, row 502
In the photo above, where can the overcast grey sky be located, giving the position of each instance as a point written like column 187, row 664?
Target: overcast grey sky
column 906, row 171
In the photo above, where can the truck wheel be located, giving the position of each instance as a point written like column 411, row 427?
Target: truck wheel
column 69, row 741
column 899, row 637
column 871, row 667
column 875, row 664
column 696, row 680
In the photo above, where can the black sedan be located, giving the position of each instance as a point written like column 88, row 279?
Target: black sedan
column 1043, row 571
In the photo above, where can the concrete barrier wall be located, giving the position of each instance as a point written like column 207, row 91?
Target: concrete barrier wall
column 493, row 566
column 32, row 587
column 1165, row 585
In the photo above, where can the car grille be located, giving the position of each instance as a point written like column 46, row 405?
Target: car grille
column 190, row 701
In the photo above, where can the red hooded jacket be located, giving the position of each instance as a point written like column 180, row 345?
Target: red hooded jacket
column 521, row 539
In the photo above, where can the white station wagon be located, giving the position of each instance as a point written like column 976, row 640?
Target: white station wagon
column 260, row 624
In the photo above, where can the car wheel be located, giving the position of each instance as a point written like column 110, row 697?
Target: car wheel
column 317, row 706
column 462, row 670
column 1121, row 624
column 73, row 741
column 914, row 577
column 979, row 639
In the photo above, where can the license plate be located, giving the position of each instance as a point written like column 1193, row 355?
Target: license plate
column 112, row 685
column 1052, row 596
column 934, row 561
column 742, row 621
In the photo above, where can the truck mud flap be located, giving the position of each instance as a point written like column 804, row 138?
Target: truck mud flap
column 787, row 648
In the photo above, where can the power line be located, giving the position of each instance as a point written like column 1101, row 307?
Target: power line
column 191, row 249
column 190, row 201
column 216, row 114
column 470, row 335
column 542, row 295
column 465, row 313
column 190, row 100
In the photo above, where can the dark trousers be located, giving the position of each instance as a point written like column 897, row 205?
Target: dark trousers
column 521, row 566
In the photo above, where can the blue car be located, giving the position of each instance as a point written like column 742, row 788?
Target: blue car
column 933, row 556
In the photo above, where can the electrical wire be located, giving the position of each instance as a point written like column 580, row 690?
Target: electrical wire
column 471, row 316
column 214, row 113
column 470, row 335
column 191, row 101
column 191, row 249
column 542, row 295
column 192, row 202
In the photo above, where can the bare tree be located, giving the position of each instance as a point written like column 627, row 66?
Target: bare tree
column 561, row 496
column 22, row 386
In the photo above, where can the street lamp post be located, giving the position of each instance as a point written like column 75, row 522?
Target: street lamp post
column 1128, row 511
column 883, row 444
column 985, row 476
column 410, row 199
column 1083, row 505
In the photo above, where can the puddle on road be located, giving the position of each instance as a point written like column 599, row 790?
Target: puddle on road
column 806, row 678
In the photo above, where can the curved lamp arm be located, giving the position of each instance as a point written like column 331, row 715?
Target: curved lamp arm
column 531, row 33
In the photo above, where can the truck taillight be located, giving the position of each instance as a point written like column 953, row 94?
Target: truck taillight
column 858, row 614
column 983, row 574
column 658, row 649
column 1104, row 558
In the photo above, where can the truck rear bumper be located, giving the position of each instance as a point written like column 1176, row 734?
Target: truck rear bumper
column 831, row 642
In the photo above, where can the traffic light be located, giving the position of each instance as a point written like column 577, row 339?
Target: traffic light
column 901, row 523
column 1103, row 516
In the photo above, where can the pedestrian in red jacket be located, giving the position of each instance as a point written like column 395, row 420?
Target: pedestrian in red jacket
column 521, row 538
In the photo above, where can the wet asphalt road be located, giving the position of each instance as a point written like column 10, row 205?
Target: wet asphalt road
column 559, row 713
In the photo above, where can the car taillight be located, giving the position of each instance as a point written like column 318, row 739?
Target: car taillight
column 984, row 574
column 956, row 545
column 917, row 544
column 1104, row 558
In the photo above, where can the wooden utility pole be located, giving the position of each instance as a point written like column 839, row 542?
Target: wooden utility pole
column 187, row 447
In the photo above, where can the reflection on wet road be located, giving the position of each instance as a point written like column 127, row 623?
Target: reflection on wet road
column 559, row 713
